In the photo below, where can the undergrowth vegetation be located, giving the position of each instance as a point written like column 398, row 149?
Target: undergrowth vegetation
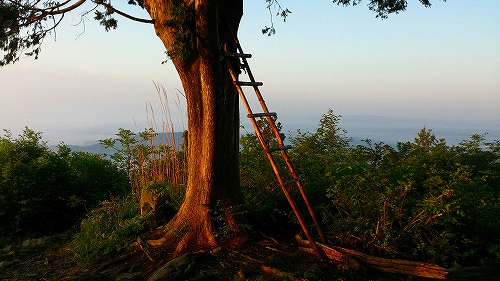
column 43, row 192
column 109, row 227
column 421, row 200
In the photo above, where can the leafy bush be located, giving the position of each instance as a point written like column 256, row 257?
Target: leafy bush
column 43, row 192
column 420, row 200
column 156, row 167
column 109, row 228
column 320, row 155
column 256, row 175
column 261, row 189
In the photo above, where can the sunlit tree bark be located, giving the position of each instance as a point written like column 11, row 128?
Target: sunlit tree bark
column 213, row 113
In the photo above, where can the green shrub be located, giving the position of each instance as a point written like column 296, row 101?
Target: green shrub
column 94, row 178
column 256, row 175
column 156, row 168
column 420, row 200
column 43, row 192
column 321, row 155
column 109, row 228
column 261, row 189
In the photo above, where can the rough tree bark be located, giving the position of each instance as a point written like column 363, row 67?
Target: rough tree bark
column 213, row 115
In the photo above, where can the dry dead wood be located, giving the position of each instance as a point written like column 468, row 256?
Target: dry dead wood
column 269, row 270
column 249, row 258
column 268, row 237
column 345, row 256
column 344, row 260
column 145, row 248
column 279, row 274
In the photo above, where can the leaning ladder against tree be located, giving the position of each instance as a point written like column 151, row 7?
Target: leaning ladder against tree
column 271, row 117
column 349, row 258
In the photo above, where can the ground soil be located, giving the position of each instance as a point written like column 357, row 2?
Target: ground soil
column 263, row 258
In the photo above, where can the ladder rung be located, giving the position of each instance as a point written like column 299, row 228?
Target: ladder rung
column 272, row 149
column 294, row 180
column 238, row 55
column 256, row 115
column 242, row 83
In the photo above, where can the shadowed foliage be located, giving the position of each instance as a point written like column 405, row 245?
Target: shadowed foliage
column 43, row 192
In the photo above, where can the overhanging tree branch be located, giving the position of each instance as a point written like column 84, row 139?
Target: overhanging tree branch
column 25, row 23
column 109, row 7
column 51, row 11
column 65, row 10
column 274, row 4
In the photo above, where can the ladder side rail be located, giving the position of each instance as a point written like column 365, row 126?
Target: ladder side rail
column 280, row 141
column 261, row 99
column 284, row 154
column 274, row 166
column 269, row 118
column 252, row 78
column 254, row 124
column 312, row 213
column 258, row 93
column 303, row 193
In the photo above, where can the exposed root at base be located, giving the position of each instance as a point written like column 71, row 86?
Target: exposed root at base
column 180, row 239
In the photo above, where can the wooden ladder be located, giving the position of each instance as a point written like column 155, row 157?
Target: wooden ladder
column 271, row 117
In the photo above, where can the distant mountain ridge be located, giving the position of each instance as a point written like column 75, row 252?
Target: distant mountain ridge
column 389, row 130
column 161, row 138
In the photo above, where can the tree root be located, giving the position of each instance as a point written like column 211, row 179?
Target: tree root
column 184, row 234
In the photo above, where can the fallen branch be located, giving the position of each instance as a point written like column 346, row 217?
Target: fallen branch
column 277, row 250
column 145, row 248
column 269, row 237
column 344, row 260
column 343, row 255
column 249, row 258
column 278, row 273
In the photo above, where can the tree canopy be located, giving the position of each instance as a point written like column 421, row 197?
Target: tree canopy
column 383, row 8
column 25, row 23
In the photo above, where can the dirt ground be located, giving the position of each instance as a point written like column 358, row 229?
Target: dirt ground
column 259, row 259
column 263, row 258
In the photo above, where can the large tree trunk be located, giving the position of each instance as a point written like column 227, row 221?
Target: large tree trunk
column 213, row 116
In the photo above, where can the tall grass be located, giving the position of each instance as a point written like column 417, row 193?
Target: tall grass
column 157, row 168
column 159, row 156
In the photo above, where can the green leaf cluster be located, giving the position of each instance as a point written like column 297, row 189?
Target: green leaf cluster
column 105, row 19
column 151, row 162
column 383, row 8
column 43, row 192
column 20, row 33
column 182, row 22
column 421, row 200
column 109, row 228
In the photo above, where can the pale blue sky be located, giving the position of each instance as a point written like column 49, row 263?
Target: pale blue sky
column 437, row 63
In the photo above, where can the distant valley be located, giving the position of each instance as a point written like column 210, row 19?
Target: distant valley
column 388, row 130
